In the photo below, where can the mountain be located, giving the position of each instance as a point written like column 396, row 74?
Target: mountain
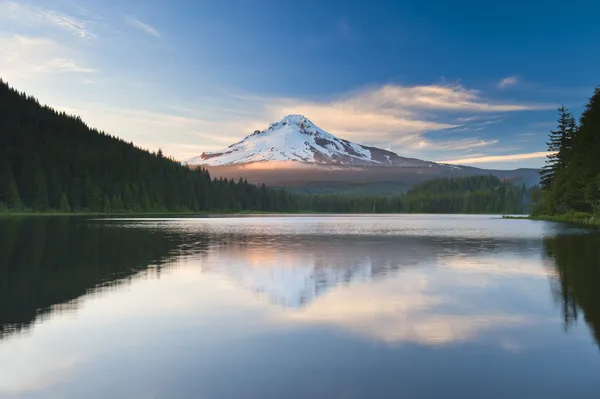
column 294, row 152
column 295, row 138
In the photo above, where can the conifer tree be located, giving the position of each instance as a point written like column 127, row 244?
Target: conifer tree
column 40, row 195
column 559, row 147
column 11, row 195
column 116, row 203
column 586, row 165
column 106, row 207
column 64, row 204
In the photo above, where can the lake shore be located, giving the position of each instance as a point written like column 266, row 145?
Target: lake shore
column 146, row 214
column 577, row 218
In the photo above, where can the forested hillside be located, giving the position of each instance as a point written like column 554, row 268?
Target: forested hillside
column 474, row 194
column 571, row 177
column 53, row 161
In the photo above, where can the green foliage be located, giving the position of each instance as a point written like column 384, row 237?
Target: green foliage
column 64, row 204
column 10, row 193
column 474, row 194
column 559, row 147
column 116, row 203
column 60, row 163
column 571, row 177
column 40, row 193
column 52, row 153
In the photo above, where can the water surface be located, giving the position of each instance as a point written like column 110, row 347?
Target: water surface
column 411, row 306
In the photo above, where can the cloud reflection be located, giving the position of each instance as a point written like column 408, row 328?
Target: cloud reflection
column 374, row 289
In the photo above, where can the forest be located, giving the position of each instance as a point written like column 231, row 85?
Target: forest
column 473, row 194
column 570, row 180
column 51, row 161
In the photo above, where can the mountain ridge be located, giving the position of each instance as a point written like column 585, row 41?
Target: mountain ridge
column 294, row 152
column 296, row 138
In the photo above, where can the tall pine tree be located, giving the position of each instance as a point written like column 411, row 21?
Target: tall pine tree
column 559, row 147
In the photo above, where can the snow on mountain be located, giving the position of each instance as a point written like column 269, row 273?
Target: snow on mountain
column 295, row 138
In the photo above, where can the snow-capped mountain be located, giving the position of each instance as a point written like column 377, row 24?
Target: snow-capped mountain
column 295, row 138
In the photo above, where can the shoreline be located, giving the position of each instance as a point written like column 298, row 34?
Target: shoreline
column 216, row 213
column 581, row 219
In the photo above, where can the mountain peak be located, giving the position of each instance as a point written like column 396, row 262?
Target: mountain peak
column 296, row 138
column 295, row 119
column 298, row 123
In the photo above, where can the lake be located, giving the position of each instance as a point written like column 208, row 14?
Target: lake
column 361, row 306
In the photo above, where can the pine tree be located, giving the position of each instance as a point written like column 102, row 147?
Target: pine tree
column 559, row 146
column 54, row 188
column 586, row 160
column 74, row 194
column 116, row 203
column 145, row 202
column 40, row 194
column 128, row 200
column 106, row 207
column 11, row 195
column 64, row 204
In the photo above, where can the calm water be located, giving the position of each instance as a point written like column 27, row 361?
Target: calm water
column 299, row 307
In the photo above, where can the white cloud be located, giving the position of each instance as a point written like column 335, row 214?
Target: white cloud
column 412, row 307
column 395, row 117
column 498, row 158
column 31, row 15
column 144, row 27
column 508, row 81
column 392, row 114
column 437, row 97
column 22, row 57
column 458, row 144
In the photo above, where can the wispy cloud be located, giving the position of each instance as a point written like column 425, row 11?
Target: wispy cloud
column 458, row 144
column 508, row 81
column 400, row 118
column 22, row 57
column 144, row 27
column 440, row 98
column 31, row 15
column 395, row 115
column 498, row 158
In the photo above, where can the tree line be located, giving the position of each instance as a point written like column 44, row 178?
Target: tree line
column 51, row 161
column 473, row 194
column 570, row 179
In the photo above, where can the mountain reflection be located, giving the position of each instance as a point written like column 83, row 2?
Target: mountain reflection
column 293, row 271
column 366, row 284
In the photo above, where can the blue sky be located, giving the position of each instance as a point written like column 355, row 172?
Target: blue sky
column 468, row 82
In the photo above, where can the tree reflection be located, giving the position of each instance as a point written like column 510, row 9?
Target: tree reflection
column 47, row 263
column 576, row 259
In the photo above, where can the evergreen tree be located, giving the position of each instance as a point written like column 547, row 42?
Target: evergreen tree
column 116, row 203
column 64, row 204
column 55, row 189
column 40, row 195
column 586, row 165
column 75, row 194
column 11, row 195
column 559, row 147
column 128, row 198
column 54, row 155
column 106, row 207
column 571, row 178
